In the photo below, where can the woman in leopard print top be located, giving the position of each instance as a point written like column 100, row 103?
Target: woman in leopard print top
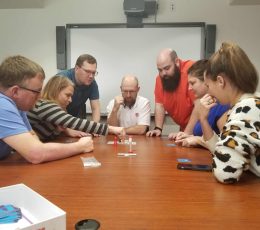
column 232, row 79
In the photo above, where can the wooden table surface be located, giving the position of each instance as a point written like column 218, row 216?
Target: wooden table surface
column 141, row 192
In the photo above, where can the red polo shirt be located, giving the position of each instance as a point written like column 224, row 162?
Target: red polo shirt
column 178, row 104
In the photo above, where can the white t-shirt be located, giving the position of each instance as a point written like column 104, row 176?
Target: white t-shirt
column 139, row 114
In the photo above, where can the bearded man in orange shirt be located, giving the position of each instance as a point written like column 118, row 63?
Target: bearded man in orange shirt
column 172, row 93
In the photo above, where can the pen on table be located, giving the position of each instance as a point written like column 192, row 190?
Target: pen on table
column 126, row 154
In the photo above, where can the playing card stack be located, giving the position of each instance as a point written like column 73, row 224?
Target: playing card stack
column 90, row 162
column 9, row 214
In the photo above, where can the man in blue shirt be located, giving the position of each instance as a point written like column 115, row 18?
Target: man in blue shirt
column 83, row 76
column 21, row 82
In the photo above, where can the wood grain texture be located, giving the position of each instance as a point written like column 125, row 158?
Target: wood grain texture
column 142, row 192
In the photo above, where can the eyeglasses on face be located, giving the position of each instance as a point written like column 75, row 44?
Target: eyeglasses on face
column 128, row 91
column 31, row 90
column 94, row 73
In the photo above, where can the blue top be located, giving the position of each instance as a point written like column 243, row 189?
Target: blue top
column 214, row 114
column 12, row 122
column 81, row 94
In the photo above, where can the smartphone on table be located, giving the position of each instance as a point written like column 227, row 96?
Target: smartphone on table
column 196, row 167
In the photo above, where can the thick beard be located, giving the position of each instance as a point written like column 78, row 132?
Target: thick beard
column 172, row 82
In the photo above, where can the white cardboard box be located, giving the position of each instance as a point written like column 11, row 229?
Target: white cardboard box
column 38, row 212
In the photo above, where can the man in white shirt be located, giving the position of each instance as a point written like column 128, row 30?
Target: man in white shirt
column 130, row 110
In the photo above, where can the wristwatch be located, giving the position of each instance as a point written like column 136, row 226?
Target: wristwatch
column 157, row 128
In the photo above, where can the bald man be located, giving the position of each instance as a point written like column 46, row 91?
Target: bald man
column 172, row 93
column 130, row 110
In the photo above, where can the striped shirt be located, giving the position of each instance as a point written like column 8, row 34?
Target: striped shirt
column 47, row 116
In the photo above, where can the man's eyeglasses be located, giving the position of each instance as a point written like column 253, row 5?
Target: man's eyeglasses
column 31, row 90
column 94, row 73
column 128, row 91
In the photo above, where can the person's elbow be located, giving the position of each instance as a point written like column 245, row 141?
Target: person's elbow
column 34, row 157
column 226, row 177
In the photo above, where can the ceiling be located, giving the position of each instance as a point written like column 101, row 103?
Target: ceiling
column 24, row 4
column 244, row 2
column 21, row 4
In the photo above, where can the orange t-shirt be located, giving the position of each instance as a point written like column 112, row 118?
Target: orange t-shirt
column 179, row 103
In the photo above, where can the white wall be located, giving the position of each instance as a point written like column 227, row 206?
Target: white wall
column 31, row 32
column 124, row 50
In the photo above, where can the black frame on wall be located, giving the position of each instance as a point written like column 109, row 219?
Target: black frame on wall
column 63, row 37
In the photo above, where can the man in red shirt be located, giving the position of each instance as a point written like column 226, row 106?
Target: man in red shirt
column 172, row 93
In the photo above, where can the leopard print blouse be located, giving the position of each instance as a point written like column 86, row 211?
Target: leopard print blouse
column 238, row 147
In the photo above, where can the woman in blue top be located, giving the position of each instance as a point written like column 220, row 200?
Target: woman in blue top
column 217, row 115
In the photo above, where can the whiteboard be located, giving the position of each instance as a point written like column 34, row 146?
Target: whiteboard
column 121, row 50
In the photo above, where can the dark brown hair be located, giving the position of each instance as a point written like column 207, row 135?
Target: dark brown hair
column 232, row 62
column 198, row 68
column 85, row 57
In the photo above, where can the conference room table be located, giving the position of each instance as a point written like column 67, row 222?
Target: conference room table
column 140, row 192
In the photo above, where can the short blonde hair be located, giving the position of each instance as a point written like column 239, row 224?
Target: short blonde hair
column 54, row 86
column 15, row 70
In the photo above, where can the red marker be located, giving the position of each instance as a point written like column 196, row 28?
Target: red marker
column 115, row 140
column 130, row 144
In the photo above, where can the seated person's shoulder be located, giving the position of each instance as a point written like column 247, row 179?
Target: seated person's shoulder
column 111, row 103
column 143, row 99
column 252, row 101
column 42, row 102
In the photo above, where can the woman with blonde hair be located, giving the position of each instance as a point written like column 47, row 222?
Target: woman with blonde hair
column 49, row 117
